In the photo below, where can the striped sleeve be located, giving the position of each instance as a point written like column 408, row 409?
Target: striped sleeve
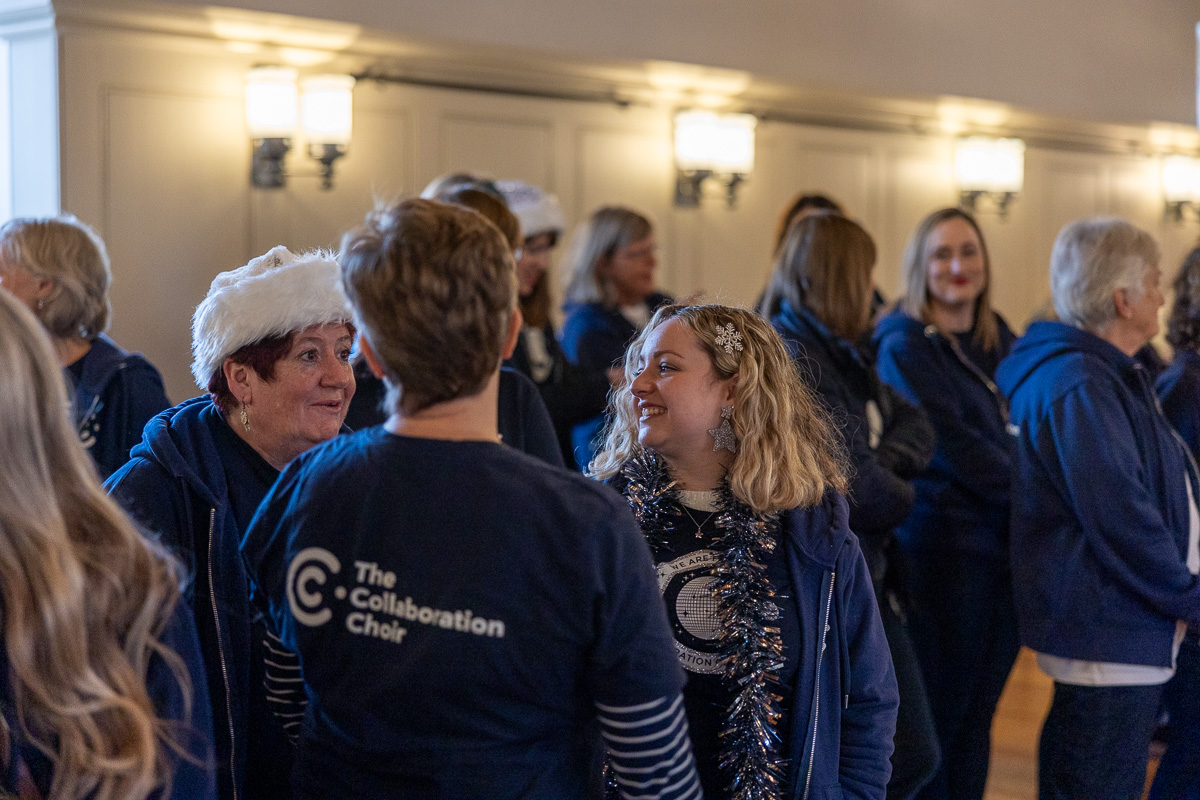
column 285, row 686
column 649, row 751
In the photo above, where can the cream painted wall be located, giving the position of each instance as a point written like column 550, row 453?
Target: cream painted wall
column 1112, row 60
column 154, row 154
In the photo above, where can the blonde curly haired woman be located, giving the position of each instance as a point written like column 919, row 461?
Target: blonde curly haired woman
column 736, row 476
column 95, row 689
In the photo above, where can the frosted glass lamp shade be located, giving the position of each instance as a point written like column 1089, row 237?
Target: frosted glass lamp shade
column 271, row 102
column 1181, row 179
column 326, row 109
column 989, row 165
column 719, row 143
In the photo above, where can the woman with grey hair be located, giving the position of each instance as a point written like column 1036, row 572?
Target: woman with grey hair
column 1104, row 520
column 609, row 299
column 59, row 268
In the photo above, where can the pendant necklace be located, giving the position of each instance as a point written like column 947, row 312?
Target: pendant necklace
column 699, row 524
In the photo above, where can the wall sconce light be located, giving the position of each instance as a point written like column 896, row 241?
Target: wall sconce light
column 1181, row 185
column 271, row 104
column 274, row 110
column 326, row 114
column 709, row 144
column 985, row 167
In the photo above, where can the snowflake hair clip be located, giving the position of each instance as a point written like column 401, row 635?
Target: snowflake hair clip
column 728, row 338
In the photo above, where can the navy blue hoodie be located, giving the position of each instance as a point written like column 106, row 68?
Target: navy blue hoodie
column 594, row 338
column 881, row 489
column 1179, row 390
column 962, row 498
column 115, row 395
column 1100, row 509
column 176, row 484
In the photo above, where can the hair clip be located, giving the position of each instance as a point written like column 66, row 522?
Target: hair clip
column 728, row 338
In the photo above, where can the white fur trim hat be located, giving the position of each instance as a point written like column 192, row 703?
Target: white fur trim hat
column 274, row 294
column 538, row 212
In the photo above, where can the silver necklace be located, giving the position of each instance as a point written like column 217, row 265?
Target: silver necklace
column 699, row 525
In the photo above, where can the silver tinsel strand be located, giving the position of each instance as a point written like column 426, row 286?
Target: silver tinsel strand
column 753, row 648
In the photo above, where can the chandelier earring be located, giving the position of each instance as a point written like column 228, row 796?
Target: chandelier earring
column 245, row 420
column 723, row 436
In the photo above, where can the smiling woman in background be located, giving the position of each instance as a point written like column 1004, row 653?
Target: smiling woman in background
column 59, row 268
column 940, row 350
column 271, row 345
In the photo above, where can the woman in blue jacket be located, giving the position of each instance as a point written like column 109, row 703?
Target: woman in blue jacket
column 1178, row 774
column 271, row 344
column 823, row 277
column 940, row 349
column 102, row 692
column 1104, row 532
column 736, row 477
column 59, row 268
column 610, row 297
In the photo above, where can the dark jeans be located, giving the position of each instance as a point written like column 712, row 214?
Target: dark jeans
column 964, row 630
column 1096, row 741
column 1178, row 776
column 915, row 759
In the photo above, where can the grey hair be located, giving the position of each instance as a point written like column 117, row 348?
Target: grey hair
column 609, row 229
column 72, row 256
column 1091, row 259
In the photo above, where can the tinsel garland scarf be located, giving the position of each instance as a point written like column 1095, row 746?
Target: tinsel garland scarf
column 752, row 647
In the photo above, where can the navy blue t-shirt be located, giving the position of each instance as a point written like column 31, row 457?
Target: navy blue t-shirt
column 458, row 609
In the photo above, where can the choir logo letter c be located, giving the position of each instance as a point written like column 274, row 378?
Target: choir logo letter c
column 311, row 565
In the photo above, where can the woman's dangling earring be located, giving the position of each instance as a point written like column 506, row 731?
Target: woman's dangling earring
column 723, row 435
column 245, row 422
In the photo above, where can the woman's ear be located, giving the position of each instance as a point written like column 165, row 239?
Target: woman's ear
column 373, row 362
column 731, row 390
column 238, row 377
column 1121, row 301
column 514, row 334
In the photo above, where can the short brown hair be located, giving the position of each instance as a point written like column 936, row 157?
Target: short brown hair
column 433, row 287
column 493, row 210
column 260, row 356
column 825, row 265
column 801, row 203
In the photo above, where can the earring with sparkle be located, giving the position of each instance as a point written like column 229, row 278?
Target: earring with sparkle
column 723, row 435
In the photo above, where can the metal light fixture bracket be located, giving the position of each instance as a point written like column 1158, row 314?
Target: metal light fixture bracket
column 969, row 201
column 266, row 163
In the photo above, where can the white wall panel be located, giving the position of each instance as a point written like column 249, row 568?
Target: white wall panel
column 155, row 154
column 171, row 223
column 509, row 148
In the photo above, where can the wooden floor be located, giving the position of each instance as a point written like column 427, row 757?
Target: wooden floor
column 1015, row 731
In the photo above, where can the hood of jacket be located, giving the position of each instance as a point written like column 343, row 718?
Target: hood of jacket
column 1049, row 340
column 180, row 441
column 897, row 323
column 820, row 532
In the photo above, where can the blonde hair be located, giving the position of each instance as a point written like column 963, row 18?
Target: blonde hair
column 915, row 277
column 72, row 256
column 434, row 288
column 84, row 595
column 825, row 265
column 789, row 452
column 608, row 230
